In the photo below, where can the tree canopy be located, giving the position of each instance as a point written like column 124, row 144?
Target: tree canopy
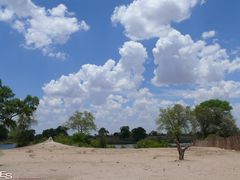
column 55, row 132
column 139, row 133
column 175, row 121
column 12, row 107
column 124, row 132
column 83, row 122
column 214, row 117
column 17, row 114
column 102, row 132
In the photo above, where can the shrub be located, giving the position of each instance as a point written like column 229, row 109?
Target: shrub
column 111, row 146
column 24, row 138
column 102, row 142
column 61, row 138
column 3, row 132
column 99, row 142
column 147, row 143
column 80, row 140
column 39, row 138
column 95, row 143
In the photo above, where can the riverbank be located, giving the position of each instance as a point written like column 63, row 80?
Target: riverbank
column 54, row 161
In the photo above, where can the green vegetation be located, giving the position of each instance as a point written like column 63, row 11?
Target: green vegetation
column 83, row 122
column 95, row 143
column 124, row 132
column 103, row 132
column 61, row 138
column 214, row 117
column 138, row 133
column 80, row 140
column 177, row 120
column 3, row 133
column 55, row 132
column 148, row 143
column 17, row 115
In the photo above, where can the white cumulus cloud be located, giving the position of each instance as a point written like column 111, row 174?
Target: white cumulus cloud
column 109, row 91
column 42, row 28
column 179, row 60
column 145, row 19
column 226, row 90
column 113, row 92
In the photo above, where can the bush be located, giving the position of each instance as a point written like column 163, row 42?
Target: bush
column 3, row 133
column 61, row 138
column 111, row 146
column 24, row 138
column 37, row 141
column 102, row 142
column 147, row 143
column 95, row 143
column 80, row 140
column 99, row 142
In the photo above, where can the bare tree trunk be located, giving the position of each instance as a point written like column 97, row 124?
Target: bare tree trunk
column 181, row 150
column 181, row 154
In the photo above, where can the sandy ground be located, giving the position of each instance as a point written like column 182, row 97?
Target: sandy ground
column 51, row 160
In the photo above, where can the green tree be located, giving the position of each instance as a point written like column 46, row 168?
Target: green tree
column 102, row 132
column 61, row 130
column 12, row 108
column 139, row 133
column 83, row 122
column 124, row 132
column 23, row 134
column 49, row 133
column 3, row 133
column 153, row 133
column 55, row 132
column 214, row 117
column 17, row 114
column 176, row 120
column 24, row 137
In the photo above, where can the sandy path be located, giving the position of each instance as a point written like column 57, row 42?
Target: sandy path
column 56, row 161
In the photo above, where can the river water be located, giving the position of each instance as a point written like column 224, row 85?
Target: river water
column 7, row 146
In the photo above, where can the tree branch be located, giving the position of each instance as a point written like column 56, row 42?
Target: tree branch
column 184, row 149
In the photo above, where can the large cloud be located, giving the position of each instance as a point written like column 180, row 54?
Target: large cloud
column 179, row 60
column 42, row 28
column 112, row 91
column 145, row 19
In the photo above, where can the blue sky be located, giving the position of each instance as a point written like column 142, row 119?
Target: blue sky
column 28, row 63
